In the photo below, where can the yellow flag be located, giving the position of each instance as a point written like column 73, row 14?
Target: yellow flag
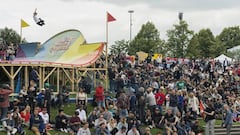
column 24, row 24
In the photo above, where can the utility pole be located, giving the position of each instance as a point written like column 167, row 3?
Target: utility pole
column 130, row 36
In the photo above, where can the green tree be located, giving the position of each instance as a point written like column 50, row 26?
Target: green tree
column 230, row 37
column 204, row 44
column 146, row 40
column 119, row 46
column 193, row 47
column 178, row 39
column 218, row 48
column 207, row 42
column 8, row 35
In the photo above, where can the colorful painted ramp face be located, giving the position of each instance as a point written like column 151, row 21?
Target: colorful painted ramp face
column 68, row 48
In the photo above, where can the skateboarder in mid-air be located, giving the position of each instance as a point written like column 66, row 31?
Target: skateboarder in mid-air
column 38, row 20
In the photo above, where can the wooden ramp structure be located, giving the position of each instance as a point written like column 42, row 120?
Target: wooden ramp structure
column 61, row 60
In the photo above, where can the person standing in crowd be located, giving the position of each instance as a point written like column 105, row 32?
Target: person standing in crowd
column 34, row 75
column 119, row 82
column 4, row 100
column 111, row 77
column 180, row 101
column 81, row 98
column 5, row 91
column 228, row 119
column 173, row 102
column 66, row 94
column 40, row 98
column 150, row 99
column 83, row 83
column 100, row 95
column 32, row 93
column 141, row 102
column 47, row 100
column 193, row 104
column 160, row 98
column 123, row 105
column 209, row 119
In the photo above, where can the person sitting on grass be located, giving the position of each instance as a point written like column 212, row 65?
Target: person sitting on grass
column 122, row 122
column 123, row 131
column 92, row 117
column 18, row 121
column 133, row 131
column 81, row 113
column 61, row 121
column 102, row 130
column 99, row 121
column 25, row 115
column 45, row 117
column 37, row 123
column 157, row 117
column 9, row 124
column 75, row 122
column 84, row 130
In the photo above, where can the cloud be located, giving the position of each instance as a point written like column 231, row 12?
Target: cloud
column 89, row 16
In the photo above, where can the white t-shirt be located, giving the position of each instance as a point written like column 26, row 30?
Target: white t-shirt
column 45, row 117
column 82, row 115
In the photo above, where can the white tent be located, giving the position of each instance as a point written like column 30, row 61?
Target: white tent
column 223, row 57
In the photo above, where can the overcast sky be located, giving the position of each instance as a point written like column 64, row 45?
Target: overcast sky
column 89, row 16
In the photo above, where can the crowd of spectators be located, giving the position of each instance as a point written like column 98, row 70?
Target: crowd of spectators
column 8, row 52
column 151, row 94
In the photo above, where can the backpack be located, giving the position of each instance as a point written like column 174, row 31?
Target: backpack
column 2, row 99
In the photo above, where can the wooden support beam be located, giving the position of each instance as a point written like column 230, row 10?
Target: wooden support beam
column 94, row 77
column 12, row 77
column 26, row 77
column 43, row 74
column 82, row 74
column 15, row 74
column 41, row 82
column 49, row 74
column 73, row 75
column 58, row 78
column 68, row 76
column 6, row 71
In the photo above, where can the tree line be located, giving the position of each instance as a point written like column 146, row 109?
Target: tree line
column 181, row 42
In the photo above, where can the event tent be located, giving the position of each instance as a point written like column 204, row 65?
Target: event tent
column 223, row 57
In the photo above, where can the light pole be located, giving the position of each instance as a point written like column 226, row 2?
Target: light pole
column 180, row 17
column 130, row 36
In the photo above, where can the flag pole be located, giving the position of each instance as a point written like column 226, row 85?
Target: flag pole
column 106, row 63
column 21, row 31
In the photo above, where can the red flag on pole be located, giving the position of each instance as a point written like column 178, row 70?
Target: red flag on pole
column 110, row 18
